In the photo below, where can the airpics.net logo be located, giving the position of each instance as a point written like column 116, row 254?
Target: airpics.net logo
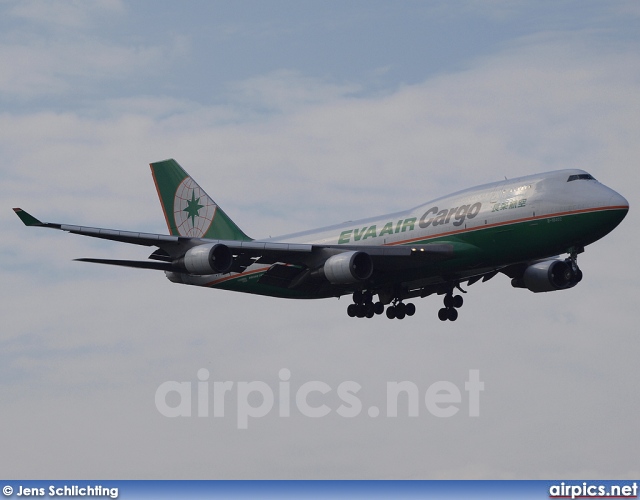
column 257, row 399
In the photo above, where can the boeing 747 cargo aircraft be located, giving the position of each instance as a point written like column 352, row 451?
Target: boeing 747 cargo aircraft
column 518, row 227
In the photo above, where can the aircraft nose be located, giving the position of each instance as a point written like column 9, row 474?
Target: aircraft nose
column 618, row 201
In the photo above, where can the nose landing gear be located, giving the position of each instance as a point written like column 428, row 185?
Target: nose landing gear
column 576, row 273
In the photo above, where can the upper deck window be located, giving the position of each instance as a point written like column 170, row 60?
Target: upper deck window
column 585, row 177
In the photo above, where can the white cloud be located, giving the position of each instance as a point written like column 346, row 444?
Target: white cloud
column 47, row 68
column 64, row 14
column 287, row 91
column 70, row 56
column 85, row 347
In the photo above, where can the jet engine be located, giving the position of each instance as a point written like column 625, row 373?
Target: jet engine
column 548, row 276
column 212, row 258
column 348, row 267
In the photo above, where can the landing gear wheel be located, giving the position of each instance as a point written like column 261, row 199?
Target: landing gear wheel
column 369, row 307
column 378, row 308
column 443, row 314
column 400, row 311
column 352, row 310
column 452, row 314
column 391, row 312
column 448, row 301
column 458, row 301
column 410, row 309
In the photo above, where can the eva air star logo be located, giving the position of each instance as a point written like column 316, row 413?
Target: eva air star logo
column 193, row 207
column 193, row 210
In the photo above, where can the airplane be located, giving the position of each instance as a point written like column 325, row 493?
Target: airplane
column 518, row 227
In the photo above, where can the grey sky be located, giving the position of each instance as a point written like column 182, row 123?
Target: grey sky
column 293, row 115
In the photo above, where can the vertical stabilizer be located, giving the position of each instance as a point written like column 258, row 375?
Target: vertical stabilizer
column 188, row 210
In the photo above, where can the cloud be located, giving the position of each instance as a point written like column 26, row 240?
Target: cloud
column 540, row 105
column 285, row 91
column 85, row 347
column 62, row 14
column 59, row 51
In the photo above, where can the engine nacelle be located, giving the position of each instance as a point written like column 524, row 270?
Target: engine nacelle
column 348, row 267
column 548, row 276
column 180, row 278
column 212, row 258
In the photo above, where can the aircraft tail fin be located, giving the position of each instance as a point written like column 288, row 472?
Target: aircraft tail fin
column 188, row 210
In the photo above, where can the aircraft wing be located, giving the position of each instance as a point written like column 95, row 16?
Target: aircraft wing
column 246, row 253
column 147, row 239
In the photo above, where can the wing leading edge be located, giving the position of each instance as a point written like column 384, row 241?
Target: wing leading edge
column 245, row 253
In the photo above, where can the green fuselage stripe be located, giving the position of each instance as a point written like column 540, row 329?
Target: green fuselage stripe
column 498, row 244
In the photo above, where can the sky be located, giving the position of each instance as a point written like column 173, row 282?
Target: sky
column 294, row 115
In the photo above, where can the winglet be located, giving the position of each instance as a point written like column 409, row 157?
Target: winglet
column 27, row 218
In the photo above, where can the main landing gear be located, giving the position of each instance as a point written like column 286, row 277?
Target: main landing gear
column 364, row 307
column 400, row 310
column 451, row 305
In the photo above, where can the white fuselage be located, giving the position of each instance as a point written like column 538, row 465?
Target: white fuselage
column 508, row 201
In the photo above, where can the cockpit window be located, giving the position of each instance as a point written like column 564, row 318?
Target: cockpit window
column 581, row 177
